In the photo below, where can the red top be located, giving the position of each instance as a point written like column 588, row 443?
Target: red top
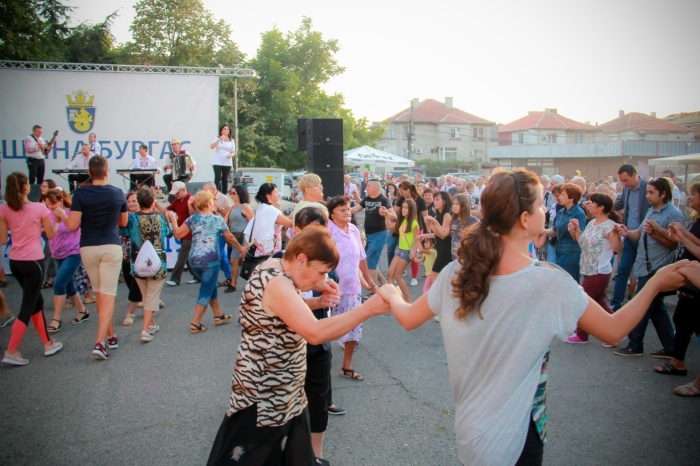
column 181, row 208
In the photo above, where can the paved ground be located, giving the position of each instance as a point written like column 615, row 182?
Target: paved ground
column 162, row 402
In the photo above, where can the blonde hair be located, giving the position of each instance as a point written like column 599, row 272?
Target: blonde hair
column 201, row 200
column 309, row 180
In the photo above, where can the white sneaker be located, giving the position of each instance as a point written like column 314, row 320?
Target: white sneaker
column 404, row 273
column 15, row 359
column 414, row 282
column 52, row 348
column 436, row 318
column 171, row 283
column 192, row 282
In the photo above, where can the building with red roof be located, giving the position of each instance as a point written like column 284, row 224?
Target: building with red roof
column 548, row 143
column 547, row 127
column 440, row 132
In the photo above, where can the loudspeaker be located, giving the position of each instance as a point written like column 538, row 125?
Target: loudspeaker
column 194, row 187
column 322, row 138
column 34, row 193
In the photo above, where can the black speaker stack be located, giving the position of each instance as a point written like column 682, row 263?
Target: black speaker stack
column 322, row 139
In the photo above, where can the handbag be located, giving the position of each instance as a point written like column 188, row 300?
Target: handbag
column 414, row 253
column 647, row 263
column 251, row 260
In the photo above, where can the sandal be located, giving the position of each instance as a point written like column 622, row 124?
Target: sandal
column 351, row 374
column 222, row 319
column 687, row 390
column 89, row 299
column 80, row 320
column 669, row 369
column 226, row 282
column 128, row 320
column 194, row 328
column 46, row 285
column 53, row 328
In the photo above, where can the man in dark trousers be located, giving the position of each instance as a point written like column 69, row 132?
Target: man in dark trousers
column 634, row 205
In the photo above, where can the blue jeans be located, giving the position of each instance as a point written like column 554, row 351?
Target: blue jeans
column 208, row 276
column 63, row 283
column 659, row 317
column 225, row 264
column 392, row 243
column 373, row 248
column 629, row 254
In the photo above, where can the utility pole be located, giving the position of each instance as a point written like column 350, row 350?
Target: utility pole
column 235, row 126
column 411, row 133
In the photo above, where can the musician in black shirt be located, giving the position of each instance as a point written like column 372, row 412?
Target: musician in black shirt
column 180, row 172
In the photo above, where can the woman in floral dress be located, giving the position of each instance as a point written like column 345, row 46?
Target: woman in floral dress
column 597, row 241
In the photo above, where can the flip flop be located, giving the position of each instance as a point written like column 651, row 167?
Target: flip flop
column 668, row 369
column 686, row 390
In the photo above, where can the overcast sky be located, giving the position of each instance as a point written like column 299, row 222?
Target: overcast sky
column 497, row 59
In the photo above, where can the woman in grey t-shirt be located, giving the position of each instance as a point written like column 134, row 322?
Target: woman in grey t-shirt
column 499, row 311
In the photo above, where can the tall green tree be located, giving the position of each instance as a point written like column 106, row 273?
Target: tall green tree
column 33, row 29
column 290, row 71
column 180, row 33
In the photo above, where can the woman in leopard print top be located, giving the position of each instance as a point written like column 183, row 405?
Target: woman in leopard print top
column 267, row 420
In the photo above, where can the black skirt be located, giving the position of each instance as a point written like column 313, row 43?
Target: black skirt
column 241, row 442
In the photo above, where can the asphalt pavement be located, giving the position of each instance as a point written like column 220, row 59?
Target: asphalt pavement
column 162, row 402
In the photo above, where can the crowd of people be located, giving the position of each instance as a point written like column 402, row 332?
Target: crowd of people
column 552, row 242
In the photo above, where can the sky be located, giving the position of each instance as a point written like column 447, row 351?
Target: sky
column 497, row 59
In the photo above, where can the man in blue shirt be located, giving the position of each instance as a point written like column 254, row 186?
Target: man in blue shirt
column 655, row 249
column 634, row 203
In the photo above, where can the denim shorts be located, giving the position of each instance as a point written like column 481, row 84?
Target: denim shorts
column 403, row 254
column 374, row 248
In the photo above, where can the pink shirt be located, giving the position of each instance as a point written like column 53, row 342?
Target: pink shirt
column 25, row 226
column 65, row 243
column 351, row 253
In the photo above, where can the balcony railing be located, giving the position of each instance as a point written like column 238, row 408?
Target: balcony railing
column 595, row 149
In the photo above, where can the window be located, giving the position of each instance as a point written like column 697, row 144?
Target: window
column 552, row 138
column 578, row 138
column 390, row 132
column 454, row 133
column 448, row 153
column 404, row 131
column 521, row 138
column 504, row 164
column 614, row 137
column 477, row 133
column 477, row 155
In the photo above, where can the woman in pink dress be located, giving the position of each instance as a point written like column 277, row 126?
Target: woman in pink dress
column 352, row 261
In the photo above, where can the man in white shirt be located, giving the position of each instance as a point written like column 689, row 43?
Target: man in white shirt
column 143, row 162
column 448, row 183
column 34, row 148
column 480, row 186
column 81, row 161
column 95, row 147
column 177, row 174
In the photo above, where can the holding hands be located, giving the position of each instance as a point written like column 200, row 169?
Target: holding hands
column 620, row 229
column 573, row 226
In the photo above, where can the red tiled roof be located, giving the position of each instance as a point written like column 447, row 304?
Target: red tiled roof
column 432, row 111
column 544, row 120
column 634, row 121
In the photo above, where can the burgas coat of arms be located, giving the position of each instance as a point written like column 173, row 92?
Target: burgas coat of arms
column 81, row 113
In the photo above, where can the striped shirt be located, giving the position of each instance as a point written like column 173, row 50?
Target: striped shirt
column 658, row 255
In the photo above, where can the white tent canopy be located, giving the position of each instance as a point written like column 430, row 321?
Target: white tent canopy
column 371, row 156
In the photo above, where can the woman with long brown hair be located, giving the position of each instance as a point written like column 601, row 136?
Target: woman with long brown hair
column 26, row 220
column 408, row 191
column 65, row 250
column 499, row 311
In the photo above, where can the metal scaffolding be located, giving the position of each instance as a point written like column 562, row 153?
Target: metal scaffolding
column 114, row 68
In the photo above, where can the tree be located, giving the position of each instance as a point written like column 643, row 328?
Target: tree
column 33, row 29
column 290, row 69
column 91, row 43
column 180, row 33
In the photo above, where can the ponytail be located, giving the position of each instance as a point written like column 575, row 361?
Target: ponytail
column 507, row 195
column 14, row 190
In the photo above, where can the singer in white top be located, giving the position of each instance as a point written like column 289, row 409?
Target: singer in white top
column 95, row 147
column 143, row 162
column 80, row 161
column 224, row 150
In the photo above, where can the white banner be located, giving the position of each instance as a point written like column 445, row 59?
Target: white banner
column 124, row 111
